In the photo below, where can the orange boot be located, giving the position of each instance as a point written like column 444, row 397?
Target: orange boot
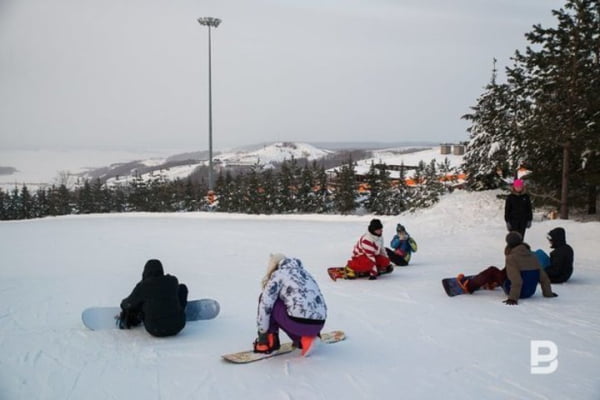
column 266, row 343
column 463, row 283
column 307, row 344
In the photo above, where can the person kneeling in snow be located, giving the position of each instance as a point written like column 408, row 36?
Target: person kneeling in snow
column 368, row 255
column 158, row 301
column 290, row 300
column 520, row 276
column 402, row 246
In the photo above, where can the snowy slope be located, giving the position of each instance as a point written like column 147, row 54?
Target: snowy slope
column 391, row 157
column 266, row 155
column 276, row 152
column 405, row 338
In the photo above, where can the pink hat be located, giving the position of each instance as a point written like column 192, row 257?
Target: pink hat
column 518, row 183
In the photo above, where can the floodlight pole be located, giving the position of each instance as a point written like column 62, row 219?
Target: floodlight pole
column 209, row 22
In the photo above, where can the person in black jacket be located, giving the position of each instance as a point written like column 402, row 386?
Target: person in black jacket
column 158, row 301
column 517, row 209
column 561, row 258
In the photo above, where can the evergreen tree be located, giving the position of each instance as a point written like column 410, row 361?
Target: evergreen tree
column 63, row 201
column 488, row 156
column 373, row 183
column 307, row 199
column 138, row 198
column 236, row 194
column 223, row 191
column 383, row 203
column 287, row 184
column 253, row 191
column 4, row 199
column 13, row 208
column 119, row 199
column 26, row 203
column 101, row 197
column 345, row 194
column 189, row 196
column 323, row 199
column 269, row 188
column 41, row 207
column 85, row 201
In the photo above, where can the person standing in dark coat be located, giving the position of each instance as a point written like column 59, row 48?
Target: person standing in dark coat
column 517, row 209
column 158, row 301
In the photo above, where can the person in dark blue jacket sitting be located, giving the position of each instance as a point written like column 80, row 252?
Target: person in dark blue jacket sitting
column 402, row 246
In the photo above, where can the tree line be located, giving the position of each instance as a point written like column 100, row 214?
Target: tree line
column 290, row 188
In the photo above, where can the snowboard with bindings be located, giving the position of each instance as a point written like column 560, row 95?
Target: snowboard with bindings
column 336, row 273
column 245, row 357
column 101, row 318
column 452, row 287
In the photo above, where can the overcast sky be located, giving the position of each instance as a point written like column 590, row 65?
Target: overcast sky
column 130, row 74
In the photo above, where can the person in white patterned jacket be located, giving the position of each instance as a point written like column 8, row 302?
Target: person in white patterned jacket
column 292, row 301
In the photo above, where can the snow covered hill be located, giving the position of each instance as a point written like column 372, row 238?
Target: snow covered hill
column 266, row 156
column 41, row 168
column 405, row 338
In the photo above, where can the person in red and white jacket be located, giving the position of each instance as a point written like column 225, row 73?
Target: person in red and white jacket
column 369, row 256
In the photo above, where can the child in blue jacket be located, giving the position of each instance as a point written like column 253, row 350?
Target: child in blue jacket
column 402, row 246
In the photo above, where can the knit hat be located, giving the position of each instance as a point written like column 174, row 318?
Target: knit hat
column 514, row 239
column 374, row 225
column 400, row 228
column 518, row 184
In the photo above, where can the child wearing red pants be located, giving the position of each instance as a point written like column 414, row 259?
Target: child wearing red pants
column 368, row 255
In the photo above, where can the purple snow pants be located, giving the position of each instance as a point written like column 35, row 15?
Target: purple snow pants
column 294, row 329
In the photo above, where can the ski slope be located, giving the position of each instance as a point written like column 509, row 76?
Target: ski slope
column 405, row 338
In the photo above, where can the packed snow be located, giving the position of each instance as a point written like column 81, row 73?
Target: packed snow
column 405, row 338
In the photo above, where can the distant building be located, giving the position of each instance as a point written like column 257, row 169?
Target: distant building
column 451, row 148
column 458, row 149
column 445, row 148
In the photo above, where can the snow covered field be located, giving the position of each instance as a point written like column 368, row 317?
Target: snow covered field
column 405, row 338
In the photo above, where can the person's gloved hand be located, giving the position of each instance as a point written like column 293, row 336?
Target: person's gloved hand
column 400, row 252
column 509, row 226
column 528, row 224
column 510, row 302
